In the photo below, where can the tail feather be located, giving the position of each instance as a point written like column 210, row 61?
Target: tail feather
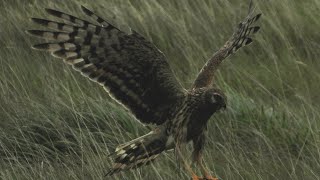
column 136, row 153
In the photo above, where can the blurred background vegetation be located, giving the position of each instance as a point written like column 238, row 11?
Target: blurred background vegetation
column 56, row 124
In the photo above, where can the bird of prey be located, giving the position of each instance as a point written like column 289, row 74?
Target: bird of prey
column 137, row 75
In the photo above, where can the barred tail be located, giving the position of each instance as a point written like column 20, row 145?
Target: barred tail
column 138, row 152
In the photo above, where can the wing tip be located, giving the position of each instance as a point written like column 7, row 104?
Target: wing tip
column 43, row 46
column 59, row 54
column 34, row 32
column 39, row 21
column 248, row 41
column 256, row 17
column 86, row 10
column 53, row 12
column 256, row 29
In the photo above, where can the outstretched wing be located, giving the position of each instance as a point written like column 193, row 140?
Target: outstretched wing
column 241, row 37
column 131, row 69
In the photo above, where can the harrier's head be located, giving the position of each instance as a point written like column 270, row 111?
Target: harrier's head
column 216, row 98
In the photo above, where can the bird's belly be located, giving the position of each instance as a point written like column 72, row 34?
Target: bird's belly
column 195, row 128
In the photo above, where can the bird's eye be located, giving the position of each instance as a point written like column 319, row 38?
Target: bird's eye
column 217, row 98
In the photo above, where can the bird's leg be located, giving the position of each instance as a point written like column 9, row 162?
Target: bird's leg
column 186, row 164
column 199, row 160
column 198, row 144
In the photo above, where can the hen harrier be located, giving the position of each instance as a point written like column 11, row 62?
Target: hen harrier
column 137, row 75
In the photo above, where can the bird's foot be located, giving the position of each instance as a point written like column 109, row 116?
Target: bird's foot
column 194, row 177
column 210, row 178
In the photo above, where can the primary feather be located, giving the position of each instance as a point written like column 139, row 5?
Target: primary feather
column 131, row 69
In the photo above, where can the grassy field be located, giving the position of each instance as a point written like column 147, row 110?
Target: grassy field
column 56, row 124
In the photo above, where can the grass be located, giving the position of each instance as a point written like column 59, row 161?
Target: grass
column 56, row 124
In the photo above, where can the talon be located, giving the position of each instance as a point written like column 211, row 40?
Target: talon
column 195, row 177
column 210, row 178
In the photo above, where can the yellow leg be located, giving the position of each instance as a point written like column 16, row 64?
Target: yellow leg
column 203, row 169
column 186, row 165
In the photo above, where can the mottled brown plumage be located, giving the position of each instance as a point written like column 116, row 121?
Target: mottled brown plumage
column 137, row 75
